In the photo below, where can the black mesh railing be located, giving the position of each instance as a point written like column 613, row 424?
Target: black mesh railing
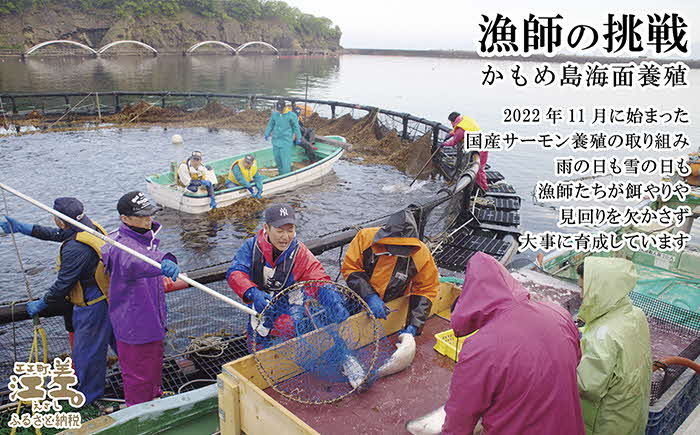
column 405, row 125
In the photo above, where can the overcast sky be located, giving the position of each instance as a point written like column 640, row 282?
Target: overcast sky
column 452, row 24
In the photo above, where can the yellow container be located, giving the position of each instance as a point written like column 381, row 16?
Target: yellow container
column 449, row 345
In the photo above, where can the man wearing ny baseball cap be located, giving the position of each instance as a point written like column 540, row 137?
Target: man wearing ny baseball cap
column 269, row 263
column 82, row 281
column 137, row 297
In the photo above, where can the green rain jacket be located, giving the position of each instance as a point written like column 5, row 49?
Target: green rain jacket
column 614, row 375
column 283, row 128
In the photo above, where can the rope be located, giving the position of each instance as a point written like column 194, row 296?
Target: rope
column 71, row 109
column 210, row 381
column 14, row 242
column 38, row 329
column 4, row 118
column 150, row 106
column 14, row 329
column 210, row 341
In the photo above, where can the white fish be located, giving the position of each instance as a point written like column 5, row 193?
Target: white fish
column 431, row 423
column 401, row 358
column 352, row 369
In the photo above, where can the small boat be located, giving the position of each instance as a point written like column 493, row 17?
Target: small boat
column 165, row 191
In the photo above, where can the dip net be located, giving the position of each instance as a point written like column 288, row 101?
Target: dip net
column 317, row 342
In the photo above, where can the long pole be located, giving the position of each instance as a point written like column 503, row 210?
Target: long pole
column 426, row 165
column 128, row 250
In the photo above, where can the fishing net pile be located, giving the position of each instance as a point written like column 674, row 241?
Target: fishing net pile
column 376, row 144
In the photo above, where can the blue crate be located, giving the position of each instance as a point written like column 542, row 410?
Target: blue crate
column 675, row 405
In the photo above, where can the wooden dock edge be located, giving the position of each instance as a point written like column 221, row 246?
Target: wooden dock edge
column 245, row 408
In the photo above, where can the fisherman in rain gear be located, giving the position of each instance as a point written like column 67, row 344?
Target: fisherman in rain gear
column 460, row 125
column 308, row 136
column 383, row 264
column 283, row 126
column 269, row 263
column 191, row 174
column 518, row 372
column 614, row 375
column 82, row 281
column 137, row 297
column 243, row 172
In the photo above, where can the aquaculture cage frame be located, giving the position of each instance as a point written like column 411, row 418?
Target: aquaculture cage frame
column 16, row 105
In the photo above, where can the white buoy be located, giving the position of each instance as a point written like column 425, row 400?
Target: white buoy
column 177, row 139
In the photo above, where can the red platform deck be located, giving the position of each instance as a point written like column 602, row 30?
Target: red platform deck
column 390, row 402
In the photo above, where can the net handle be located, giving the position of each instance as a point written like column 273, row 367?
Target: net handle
column 128, row 250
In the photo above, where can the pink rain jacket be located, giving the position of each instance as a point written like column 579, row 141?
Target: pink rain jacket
column 518, row 372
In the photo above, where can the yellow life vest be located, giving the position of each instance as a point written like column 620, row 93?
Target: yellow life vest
column 248, row 174
column 193, row 175
column 466, row 124
column 76, row 295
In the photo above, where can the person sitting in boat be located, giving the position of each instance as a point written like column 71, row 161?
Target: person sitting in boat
column 614, row 375
column 460, row 125
column 385, row 263
column 83, row 282
column 283, row 126
column 308, row 136
column 243, row 172
column 137, row 297
column 270, row 262
column 192, row 174
column 517, row 373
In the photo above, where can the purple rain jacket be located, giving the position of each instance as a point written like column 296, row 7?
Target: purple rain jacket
column 136, row 291
column 518, row 372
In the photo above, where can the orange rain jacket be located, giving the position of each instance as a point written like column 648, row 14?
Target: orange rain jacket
column 392, row 261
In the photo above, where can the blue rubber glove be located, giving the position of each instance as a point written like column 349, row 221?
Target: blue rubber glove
column 206, row 183
column 170, row 269
column 297, row 142
column 267, row 138
column 260, row 298
column 17, row 226
column 35, row 307
column 252, row 192
column 377, row 306
column 410, row 329
column 332, row 301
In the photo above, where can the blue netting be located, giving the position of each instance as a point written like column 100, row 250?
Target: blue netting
column 317, row 342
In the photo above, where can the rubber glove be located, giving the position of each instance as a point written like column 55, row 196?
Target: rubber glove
column 17, row 226
column 333, row 302
column 267, row 138
column 297, row 142
column 252, row 192
column 206, row 183
column 212, row 202
column 170, row 269
column 260, row 298
column 377, row 306
column 35, row 307
column 410, row 329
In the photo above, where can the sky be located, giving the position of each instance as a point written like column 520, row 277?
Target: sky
column 452, row 24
